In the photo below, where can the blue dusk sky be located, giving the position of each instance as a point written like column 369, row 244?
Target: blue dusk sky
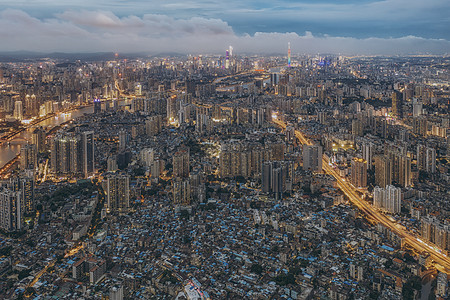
column 312, row 26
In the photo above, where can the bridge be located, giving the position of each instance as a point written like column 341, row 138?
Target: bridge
column 17, row 141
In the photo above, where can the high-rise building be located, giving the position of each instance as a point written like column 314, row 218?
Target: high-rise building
column 118, row 193
column 359, row 172
column 405, row 175
column 430, row 161
column 147, row 156
column 97, row 106
column 312, row 158
column 235, row 160
column 203, row 123
column 38, row 138
column 442, row 286
column 18, row 110
column 448, row 147
column 417, row 108
column 87, row 152
column 368, row 149
column 274, row 79
column 28, row 157
column 436, row 232
column 122, row 140
column 388, row 199
column 190, row 87
column 65, row 155
column 181, row 163
column 116, row 293
column 420, row 126
column 383, row 171
column 426, row 158
column 181, row 192
column 73, row 154
column 172, row 109
column 227, row 59
column 397, row 104
column 111, row 164
column 277, row 150
column 290, row 134
column 357, row 128
column 24, row 185
column 289, row 54
column 153, row 125
column 11, row 210
column 277, row 178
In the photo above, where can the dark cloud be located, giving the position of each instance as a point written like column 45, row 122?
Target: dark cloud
column 352, row 18
column 74, row 31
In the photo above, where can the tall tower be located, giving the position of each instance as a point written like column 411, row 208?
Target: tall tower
column 359, row 172
column 11, row 216
column 118, row 193
column 87, row 152
column 312, row 158
column 397, row 104
column 289, row 54
column 227, row 59
column 28, row 157
column 181, row 163
column 18, row 110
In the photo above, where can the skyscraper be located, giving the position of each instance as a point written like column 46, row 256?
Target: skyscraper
column 118, row 193
column 73, row 154
column 388, row 199
column 181, row 192
column 181, row 163
column 97, row 106
column 367, row 153
column 65, row 158
column 18, row 110
column 359, row 172
column 227, row 59
column 383, row 171
column 122, row 139
column 290, row 134
column 38, row 138
column 28, row 157
column 11, row 211
column 87, row 139
column 426, row 158
column 153, row 125
column 172, row 109
column 357, row 128
column 312, row 158
column 397, row 104
column 289, row 54
column 24, row 185
column 277, row 177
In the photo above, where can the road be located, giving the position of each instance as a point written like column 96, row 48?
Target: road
column 38, row 275
column 4, row 171
column 373, row 214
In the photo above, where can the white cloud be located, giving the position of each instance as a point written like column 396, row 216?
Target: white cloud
column 85, row 31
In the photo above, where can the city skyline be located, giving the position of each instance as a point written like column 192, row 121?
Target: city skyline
column 225, row 150
column 370, row 27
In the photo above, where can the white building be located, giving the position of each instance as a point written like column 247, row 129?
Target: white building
column 388, row 199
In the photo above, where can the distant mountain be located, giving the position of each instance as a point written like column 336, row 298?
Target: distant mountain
column 20, row 56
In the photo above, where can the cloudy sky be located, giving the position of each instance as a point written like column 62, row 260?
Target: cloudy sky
column 210, row 26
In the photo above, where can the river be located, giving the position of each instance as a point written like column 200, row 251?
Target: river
column 9, row 151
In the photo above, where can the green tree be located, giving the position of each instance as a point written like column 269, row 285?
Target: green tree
column 256, row 268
